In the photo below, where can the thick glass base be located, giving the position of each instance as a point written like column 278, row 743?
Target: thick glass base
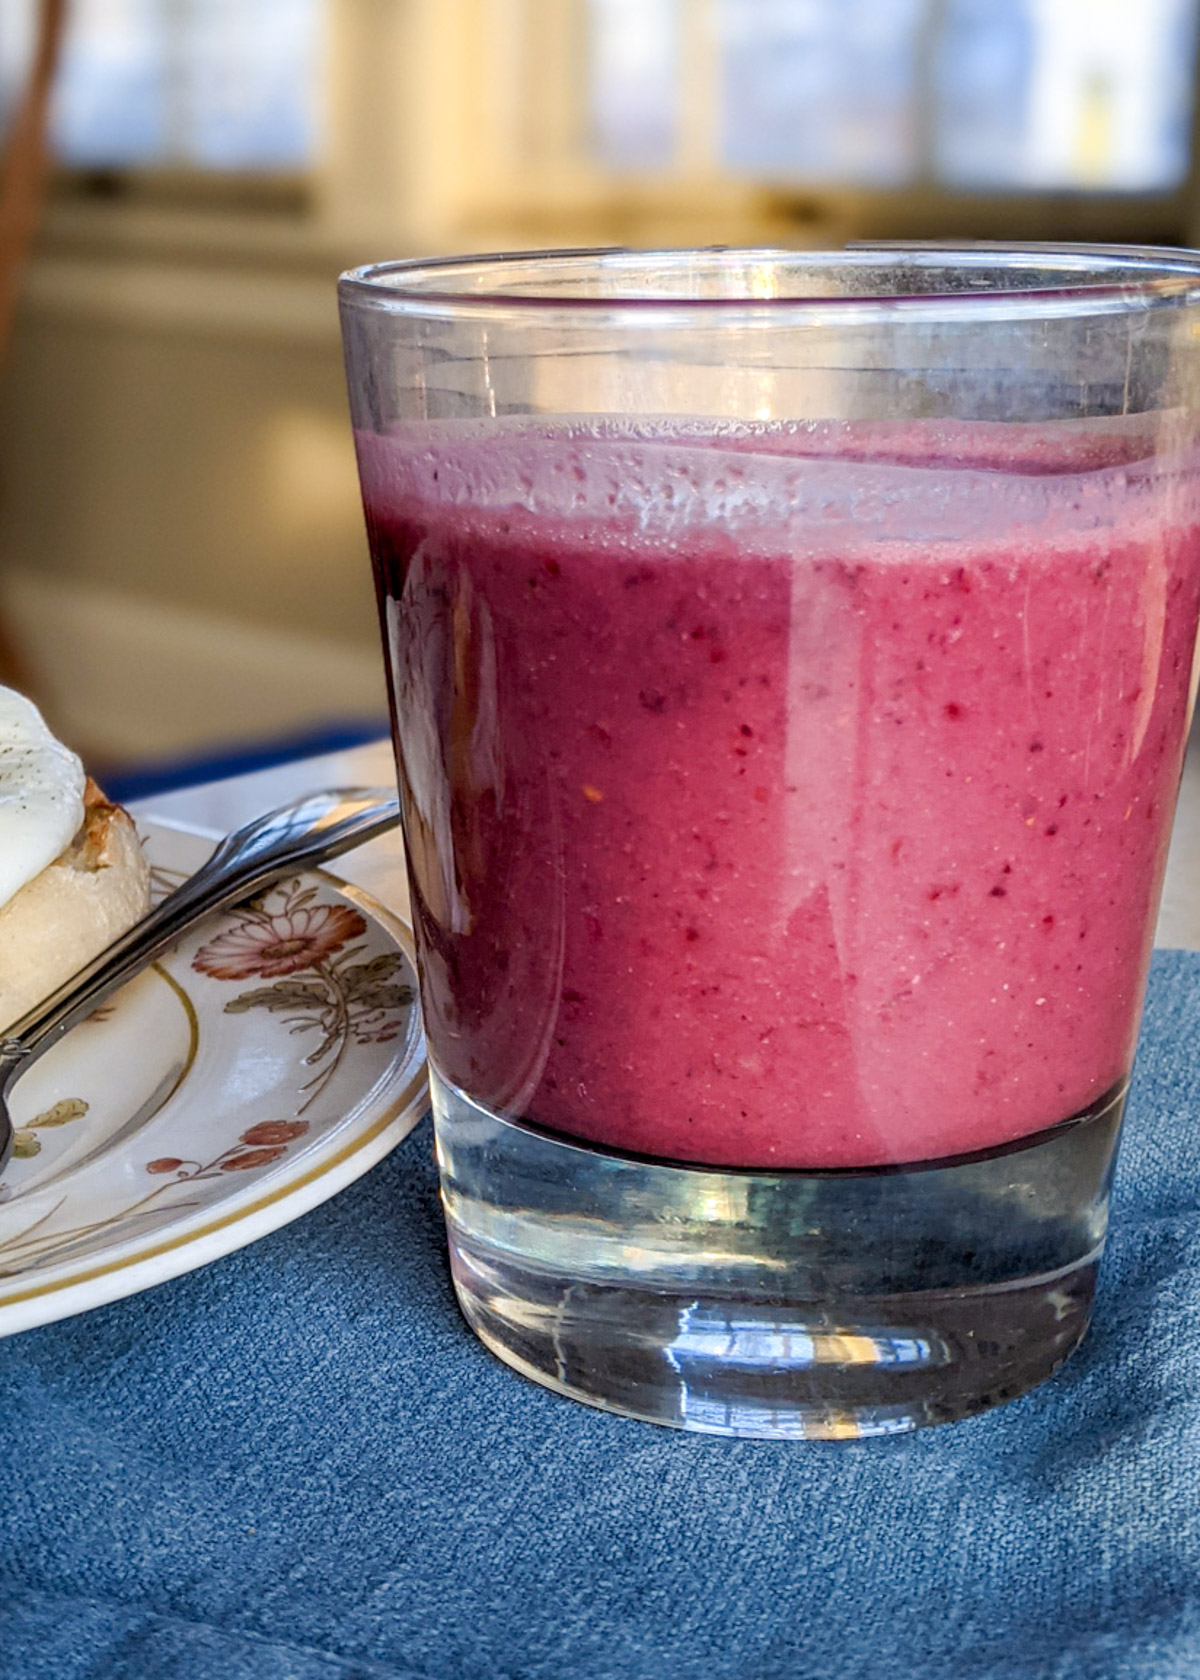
column 787, row 1304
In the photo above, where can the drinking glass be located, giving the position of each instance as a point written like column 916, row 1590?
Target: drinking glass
column 791, row 658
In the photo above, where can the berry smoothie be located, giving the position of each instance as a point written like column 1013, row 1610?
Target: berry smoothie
column 786, row 796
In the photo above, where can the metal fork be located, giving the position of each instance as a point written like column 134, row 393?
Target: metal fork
column 297, row 836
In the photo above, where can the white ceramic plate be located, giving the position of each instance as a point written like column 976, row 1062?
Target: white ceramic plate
column 268, row 1062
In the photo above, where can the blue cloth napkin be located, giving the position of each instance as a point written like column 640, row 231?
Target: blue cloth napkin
column 298, row 1464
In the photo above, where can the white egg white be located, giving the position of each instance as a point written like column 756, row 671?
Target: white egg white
column 41, row 794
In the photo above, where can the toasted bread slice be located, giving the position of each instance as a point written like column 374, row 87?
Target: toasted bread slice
column 67, row 915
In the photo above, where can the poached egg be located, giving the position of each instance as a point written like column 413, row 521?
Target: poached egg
column 41, row 794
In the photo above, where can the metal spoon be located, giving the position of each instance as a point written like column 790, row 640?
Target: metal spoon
column 308, row 831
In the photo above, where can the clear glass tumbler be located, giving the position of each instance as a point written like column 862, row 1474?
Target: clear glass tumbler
column 791, row 658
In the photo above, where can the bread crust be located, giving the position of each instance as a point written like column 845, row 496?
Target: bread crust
column 70, row 912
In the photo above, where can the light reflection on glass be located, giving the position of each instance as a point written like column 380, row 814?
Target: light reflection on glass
column 704, row 1337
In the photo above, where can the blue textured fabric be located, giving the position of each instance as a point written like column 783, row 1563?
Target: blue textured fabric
column 299, row 1465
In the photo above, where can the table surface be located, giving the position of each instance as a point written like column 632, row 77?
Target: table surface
column 218, row 807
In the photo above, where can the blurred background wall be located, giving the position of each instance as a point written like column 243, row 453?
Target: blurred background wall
column 182, row 562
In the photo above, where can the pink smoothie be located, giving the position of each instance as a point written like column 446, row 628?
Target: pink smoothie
column 786, row 797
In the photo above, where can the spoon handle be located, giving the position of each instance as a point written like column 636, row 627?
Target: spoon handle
column 309, row 831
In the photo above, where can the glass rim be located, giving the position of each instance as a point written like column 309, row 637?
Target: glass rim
column 1088, row 279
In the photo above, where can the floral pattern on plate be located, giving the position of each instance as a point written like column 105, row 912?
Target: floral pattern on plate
column 192, row 1114
column 321, row 981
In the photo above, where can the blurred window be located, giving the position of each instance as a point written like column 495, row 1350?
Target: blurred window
column 1083, row 94
column 635, row 74
column 205, row 84
column 1080, row 95
column 443, row 116
column 824, row 89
